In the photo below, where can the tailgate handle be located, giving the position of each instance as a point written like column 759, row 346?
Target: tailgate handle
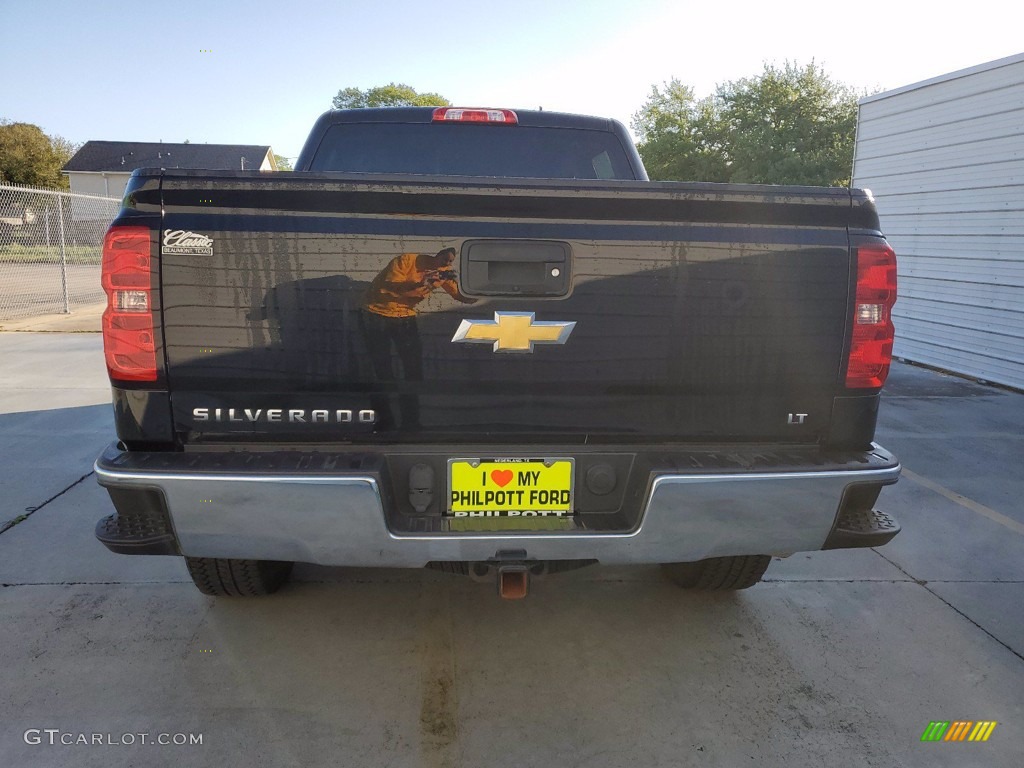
column 533, row 255
column 516, row 267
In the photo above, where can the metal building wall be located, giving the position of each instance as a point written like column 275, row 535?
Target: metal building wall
column 945, row 161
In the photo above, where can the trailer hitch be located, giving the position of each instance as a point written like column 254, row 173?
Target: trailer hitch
column 513, row 581
column 512, row 571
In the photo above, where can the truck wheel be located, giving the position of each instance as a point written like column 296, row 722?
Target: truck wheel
column 237, row 578
column 718, row 573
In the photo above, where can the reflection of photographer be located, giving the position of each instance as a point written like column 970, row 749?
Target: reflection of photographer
column 408, row 279
column 440, row 276
column 389, row 316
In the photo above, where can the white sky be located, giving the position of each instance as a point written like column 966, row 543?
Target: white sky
column 134, row 72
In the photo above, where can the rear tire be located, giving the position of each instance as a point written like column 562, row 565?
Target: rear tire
column 718, row 573
column 222, row 577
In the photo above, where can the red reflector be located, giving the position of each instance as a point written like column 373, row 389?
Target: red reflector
column 128, row 334
column 873, row 331
column 475, row 115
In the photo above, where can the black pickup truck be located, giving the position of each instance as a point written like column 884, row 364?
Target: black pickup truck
column 482, row 341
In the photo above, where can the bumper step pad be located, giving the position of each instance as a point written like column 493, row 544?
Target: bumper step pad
column 862, row 528
column 137, row 533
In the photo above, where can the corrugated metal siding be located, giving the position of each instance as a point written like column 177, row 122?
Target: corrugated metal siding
column 945, row 161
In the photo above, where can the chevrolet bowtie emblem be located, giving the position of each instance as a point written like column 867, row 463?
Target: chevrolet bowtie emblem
column 513, row 332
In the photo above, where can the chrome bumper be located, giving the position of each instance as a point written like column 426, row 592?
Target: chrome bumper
column 333, row 519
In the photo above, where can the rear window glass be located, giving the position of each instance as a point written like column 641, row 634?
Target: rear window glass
column 472, row 150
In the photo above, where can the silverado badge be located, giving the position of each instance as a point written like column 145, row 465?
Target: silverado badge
column 513, row 332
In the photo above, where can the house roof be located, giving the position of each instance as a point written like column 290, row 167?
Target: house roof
column 126, row 156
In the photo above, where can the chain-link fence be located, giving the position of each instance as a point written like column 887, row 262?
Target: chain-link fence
column 50, row 245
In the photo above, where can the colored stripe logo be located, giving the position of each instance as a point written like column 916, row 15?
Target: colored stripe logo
column 959, row 730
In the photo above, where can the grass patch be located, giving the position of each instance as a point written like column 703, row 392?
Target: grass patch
column 16, row 253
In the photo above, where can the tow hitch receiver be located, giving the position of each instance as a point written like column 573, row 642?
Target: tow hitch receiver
column 513, row 582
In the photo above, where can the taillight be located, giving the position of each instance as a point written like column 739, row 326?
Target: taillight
column 871, row 346
column 475, row 115
column 128, row 333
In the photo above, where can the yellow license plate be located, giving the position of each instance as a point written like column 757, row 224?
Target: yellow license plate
column 510, row 487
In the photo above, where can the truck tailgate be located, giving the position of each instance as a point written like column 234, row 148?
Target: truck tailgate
column 701, row 312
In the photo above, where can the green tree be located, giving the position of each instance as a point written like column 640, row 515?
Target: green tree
column 790, row 124
column 390, row 95
column 29, row 156
column 283, row 163
column 681, row 136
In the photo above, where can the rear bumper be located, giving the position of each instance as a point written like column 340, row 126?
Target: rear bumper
column 331, row 509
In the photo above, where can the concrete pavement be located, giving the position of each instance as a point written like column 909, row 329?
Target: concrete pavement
column 83, row 318
column 29, row 290
column 838, row 658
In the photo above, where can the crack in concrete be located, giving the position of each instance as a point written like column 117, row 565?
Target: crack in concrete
column 908, row 580
column 439, row 704
column 87, row 583
column 29, row 511
column 924, row 585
